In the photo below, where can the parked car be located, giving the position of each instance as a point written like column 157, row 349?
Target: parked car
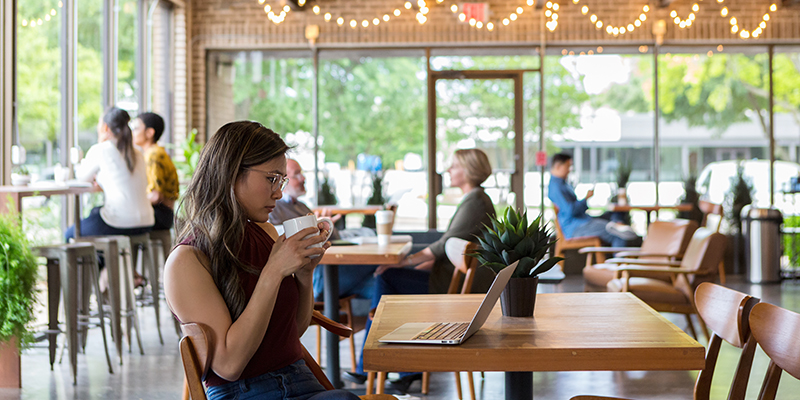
column 715, row 181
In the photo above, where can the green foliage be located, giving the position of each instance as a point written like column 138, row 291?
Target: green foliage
column 511, row 239
column 326, row 196
column 739, row 195
column 20, row 170
column 791, row 241
column 190, row 149
column 624, row 170
column 18, row 274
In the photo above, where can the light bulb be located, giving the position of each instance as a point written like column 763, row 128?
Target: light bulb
column 695, row 7
column 327, row 17
column 733, row 21
column 599, row 24
column 744, row 34
column 724, row 11
column 763, row 25
column 472, row 22
column 773, row 8
column 490, row 26
column 397, row 12
column 462, row 17
column 735, row 29
column 593, row 18
column 53, row 12
column 642, row 17
column 673, row 14
column 548, row 13
column 407, row 5
column 609, row 29
column 720, row 48
column 691, row 17
column 479, row 24
column 376, row 21
column 519, row 10
column 630, row 27
column 677, row 20
column 622, row 30
column 454, row 8
column 637, row 23
column 549, row 4
column 340, row 20
column 530, row 4
column 24, row 22
column 584, row 10
column 286, row 9
column 365, row 23
column 353, row 23
column 555, row 6
column 513, row 17
column 386, row 17
column 316, row 10
column 646, row 8
column 766, row 17
column 505, row 21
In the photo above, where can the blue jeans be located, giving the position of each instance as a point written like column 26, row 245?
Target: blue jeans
column 295, row 382
column 353, row 279
column 394, row 281
column 597, row 227
column 93, row 225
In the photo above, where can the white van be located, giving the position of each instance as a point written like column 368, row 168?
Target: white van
column 715, row 181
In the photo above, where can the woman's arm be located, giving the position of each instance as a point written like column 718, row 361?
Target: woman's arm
column 89, row 166
column 422, row 260
column 193, row 296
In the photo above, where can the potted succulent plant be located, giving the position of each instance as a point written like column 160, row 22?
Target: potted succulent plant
column 739, row 195
column 20, row 176
column 18, row 271
column 511, row 239
column 377, row 198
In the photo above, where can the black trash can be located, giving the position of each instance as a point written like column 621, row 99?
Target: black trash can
column 762, row 241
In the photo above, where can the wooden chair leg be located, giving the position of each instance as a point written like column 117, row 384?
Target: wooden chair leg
column 721, row 273
column 690, row 325
column 319, row 345
column 426, row 382
column 458, row 385
column 381, row 381
column 370, row 382
column 471, row 384
column 352, row 353
column 703, row 326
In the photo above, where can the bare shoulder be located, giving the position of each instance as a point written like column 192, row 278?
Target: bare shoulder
column 270, row 229
column 189, row 287
column 185, row 258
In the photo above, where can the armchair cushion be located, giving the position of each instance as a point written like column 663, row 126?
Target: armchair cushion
column 650, row 290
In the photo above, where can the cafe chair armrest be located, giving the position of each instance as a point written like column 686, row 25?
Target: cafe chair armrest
column 331, row 325
column 586, row 250
column 637, row 254
column 636, row 261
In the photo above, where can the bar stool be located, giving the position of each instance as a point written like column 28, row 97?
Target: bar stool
column 68, row 264
column 143, row 258
column 120, row 287
column 160, row 250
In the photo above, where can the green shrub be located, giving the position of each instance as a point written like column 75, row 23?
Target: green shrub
column 18, row 274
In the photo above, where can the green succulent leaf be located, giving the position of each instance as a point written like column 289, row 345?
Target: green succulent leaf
column 545, row 265
column 524, row 267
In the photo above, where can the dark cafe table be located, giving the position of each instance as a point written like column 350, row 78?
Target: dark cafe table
column 11, row 196
column 569, row 332
column 362, row 254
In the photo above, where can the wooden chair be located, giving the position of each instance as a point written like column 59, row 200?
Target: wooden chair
column 578, row 242
column 348, row 319
column 196, row 352
column 709, row 208
column 777, row 331
column 699, row 264
column 727, row 313
column 665, row 241
column 465, row 266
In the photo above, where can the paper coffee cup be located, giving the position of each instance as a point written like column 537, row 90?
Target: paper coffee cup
column 383, row 224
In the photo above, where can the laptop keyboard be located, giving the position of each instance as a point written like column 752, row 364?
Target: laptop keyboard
column 443, row 331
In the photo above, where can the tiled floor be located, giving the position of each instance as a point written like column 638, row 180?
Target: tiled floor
column 158, row 374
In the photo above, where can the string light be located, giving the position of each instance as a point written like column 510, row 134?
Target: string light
column 552, row 24
column 685, row 23
column 611, row 29
column 48, row 16
column 745, row 33
column 506, row 21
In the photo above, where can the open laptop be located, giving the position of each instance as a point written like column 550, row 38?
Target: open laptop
column 452, row 332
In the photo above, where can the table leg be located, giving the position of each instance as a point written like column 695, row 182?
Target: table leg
column 331, row 282
column 77, row 216
column 519, row 385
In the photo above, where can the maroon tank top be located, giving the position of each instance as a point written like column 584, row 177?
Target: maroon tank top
column 281, row 344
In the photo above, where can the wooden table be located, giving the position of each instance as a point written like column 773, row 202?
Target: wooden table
column 17, row 193
column 366, row 210
column 363, row 254
column 569, row 332
column 649, row 209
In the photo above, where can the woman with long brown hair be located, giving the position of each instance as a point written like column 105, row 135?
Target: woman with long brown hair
column 232, row 271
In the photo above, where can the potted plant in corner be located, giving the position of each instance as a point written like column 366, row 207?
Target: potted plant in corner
column 511, row 239
column 377, row 198
column 739, row 195
column 18, row 271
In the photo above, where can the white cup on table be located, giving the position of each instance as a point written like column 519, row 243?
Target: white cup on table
column 383, row 223
column 295, row 225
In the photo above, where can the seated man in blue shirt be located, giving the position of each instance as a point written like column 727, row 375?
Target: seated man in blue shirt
column 572, row 212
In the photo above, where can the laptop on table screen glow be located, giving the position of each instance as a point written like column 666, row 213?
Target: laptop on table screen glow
column 452, row 332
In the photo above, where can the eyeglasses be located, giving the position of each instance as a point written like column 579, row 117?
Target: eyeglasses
column 277, row 181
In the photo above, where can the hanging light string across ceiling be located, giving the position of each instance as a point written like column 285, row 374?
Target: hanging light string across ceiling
column 550, row 11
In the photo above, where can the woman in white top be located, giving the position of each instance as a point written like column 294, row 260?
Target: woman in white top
column 119, row 169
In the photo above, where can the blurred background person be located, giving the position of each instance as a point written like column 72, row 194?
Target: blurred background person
column 162, row 178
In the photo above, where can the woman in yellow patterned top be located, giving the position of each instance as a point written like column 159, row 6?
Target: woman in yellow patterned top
column 162, row 179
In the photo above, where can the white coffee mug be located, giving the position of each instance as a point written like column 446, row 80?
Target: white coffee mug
column 383, row 224
column 295, row 225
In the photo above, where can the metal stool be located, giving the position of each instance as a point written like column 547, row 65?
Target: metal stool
column 120, row 287
column 143, row 258
column 68, row 264
column 161, row 243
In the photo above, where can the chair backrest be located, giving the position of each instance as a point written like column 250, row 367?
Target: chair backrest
column 196, row 354
column 727, row 313
column 559, row 232
column 777, row 331
column 703, row 255
column 457, row 250
column 709, row 208
column 668, row 237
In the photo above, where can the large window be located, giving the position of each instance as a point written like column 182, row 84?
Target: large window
column 90, row 70
column 127, row 96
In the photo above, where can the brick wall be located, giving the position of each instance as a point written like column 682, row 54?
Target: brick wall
column 242, row 24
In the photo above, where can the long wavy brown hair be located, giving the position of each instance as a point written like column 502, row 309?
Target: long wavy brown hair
column 210, row 217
